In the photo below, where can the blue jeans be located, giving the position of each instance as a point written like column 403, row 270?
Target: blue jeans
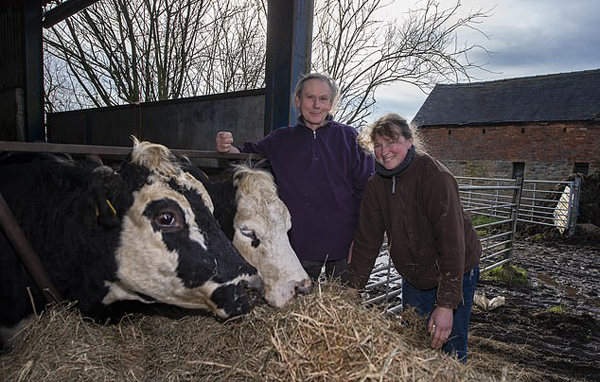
column 333, row 269
column 424, row 303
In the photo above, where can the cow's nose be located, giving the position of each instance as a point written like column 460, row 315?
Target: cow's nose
column 304, row 287
column 255, row 286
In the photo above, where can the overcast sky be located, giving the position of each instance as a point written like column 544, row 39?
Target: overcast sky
column 526, row 38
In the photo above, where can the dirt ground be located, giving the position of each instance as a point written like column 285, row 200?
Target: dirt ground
column 550, row 327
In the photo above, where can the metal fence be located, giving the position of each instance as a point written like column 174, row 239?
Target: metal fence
column 549, row 203
column 496, row 206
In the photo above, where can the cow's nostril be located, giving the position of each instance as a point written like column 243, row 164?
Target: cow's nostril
column 256, row 286
column 304, row 287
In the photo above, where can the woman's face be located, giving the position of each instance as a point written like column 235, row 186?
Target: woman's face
column 390, row 154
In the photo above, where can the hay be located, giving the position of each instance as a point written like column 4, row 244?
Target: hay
column 321, row 337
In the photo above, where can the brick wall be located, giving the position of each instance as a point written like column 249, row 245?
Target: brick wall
column 548, row 150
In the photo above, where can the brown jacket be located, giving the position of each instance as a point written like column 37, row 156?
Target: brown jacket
column 430, row 236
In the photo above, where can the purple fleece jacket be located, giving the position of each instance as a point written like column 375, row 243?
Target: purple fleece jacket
column 321, row 176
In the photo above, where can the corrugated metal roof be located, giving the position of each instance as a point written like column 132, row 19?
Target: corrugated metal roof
column 571, row 96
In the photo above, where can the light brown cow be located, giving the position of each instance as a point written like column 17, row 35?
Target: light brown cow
column 253, row 216
column 261, row 225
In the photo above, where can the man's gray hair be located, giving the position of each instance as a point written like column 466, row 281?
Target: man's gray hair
column 335, row 90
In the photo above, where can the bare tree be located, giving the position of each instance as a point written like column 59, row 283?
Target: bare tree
column 364, row 53
column 120, row 51
column 235, row 57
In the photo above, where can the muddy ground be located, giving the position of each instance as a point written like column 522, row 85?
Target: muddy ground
column 550, row 327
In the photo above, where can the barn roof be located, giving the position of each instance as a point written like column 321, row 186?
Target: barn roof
column 571, row 96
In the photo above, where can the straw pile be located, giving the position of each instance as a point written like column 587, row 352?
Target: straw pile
column 321, row 337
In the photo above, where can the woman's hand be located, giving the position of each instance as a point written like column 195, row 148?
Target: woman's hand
column 440, row 326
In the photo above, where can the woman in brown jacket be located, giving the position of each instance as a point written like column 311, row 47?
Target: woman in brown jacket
column 414, row 199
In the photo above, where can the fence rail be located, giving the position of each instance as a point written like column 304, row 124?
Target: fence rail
column 496, row 207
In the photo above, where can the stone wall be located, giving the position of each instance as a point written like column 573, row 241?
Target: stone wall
column 503, row 169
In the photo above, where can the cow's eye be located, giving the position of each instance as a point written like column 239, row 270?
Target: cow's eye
column 249, row 233
column 167, row 220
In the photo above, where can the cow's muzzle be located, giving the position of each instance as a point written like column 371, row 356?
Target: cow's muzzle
column 304, row 287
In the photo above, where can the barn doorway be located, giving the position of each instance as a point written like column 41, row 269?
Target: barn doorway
column 518, row 170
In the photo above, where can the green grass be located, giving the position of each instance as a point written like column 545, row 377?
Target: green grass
column 507, row 273
column 483, row 219
column 559, row 309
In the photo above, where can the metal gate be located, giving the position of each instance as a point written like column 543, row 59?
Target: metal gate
column 551, row 203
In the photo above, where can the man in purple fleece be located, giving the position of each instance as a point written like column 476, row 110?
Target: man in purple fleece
column 321, row 173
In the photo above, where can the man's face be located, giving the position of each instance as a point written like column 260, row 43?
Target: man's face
column 314, row 103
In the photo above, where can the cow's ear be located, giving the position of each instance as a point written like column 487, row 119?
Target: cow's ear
column 186, row 165
column 263, row 164
column 104, row 181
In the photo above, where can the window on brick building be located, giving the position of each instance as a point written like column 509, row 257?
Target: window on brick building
column 581, row 168
column 518, row 170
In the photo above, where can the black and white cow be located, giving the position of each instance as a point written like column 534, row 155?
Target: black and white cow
column 142, row 232
column 257, row 221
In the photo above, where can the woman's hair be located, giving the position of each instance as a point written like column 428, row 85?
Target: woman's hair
column 390, row 126
column 335, row 90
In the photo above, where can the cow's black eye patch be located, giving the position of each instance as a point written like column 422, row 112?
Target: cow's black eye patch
column 165, row 215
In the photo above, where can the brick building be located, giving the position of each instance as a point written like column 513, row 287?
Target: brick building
column 545, row 127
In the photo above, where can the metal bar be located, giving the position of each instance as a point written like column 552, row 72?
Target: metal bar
column 540, row 209
column 537, row 222
column 475, row 200
column 394, row 310
column 545, row 181
column 110, row 150
column 472, row 209
column 34, row 75
column 494, row 237
column 494, row 254
column 500, row 243
column 383, row 282
column 481, row 188
column 507, row 180
column 64, row 10
column 492, row 224
column 30, row 259
column 289, row 43
column 515, row 214
column 479, row 196
column 382, row 297
column 381, row 268
column 496, row 265
column 574, row 205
